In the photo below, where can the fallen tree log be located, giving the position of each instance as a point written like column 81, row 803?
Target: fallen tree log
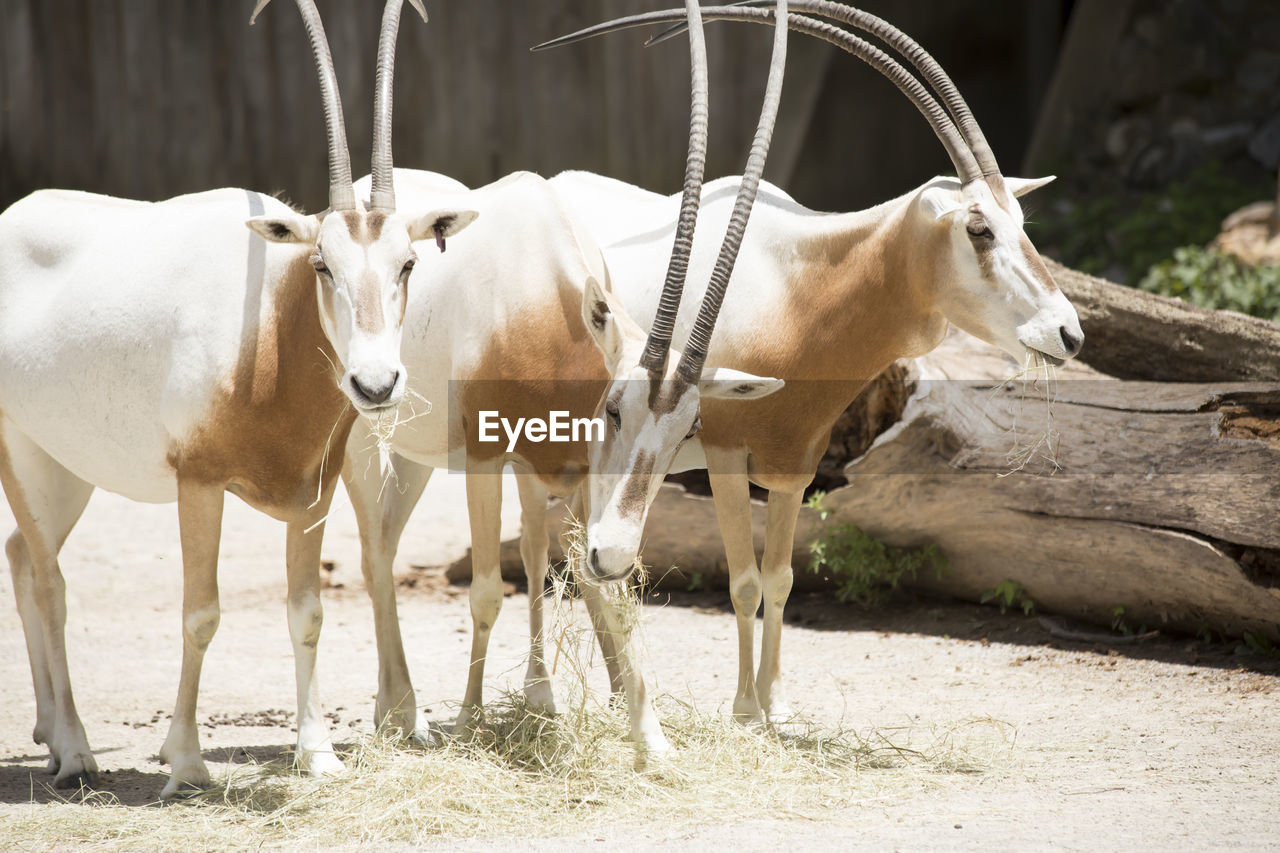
column 1130, row 334
column 1155, row 497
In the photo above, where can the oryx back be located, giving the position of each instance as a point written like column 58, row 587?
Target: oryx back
column 135, row 315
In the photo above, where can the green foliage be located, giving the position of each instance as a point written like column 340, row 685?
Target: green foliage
column 1209, row 636
column 1120, row 624
column 1009, row 594
column 1258, row 643
column 867, row 570
column 1214, row 279
column 816, row 503
column 1137, row 231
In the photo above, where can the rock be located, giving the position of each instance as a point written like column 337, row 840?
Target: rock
column 1259, row 72
column 1265, row 144
column 1227, row 136
column 1251, row 234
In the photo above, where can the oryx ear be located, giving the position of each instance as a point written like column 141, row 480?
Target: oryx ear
column 1021, row 186
column 939, row 201
column 723, row 383
column 294, row 228
column 602, row 322
column 440, row 224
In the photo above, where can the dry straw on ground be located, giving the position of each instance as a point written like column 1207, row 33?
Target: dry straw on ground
column 526, row 774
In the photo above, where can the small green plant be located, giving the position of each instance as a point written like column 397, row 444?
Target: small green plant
column 1214, row 279
column 1209, row 636
column 1258, row 643
column 866, row 570
column 697, row 582
column 1118, row 622
column 1121, row 625
column 1010, row 595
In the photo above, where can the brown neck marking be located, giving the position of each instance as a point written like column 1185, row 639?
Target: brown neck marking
column 278, row 413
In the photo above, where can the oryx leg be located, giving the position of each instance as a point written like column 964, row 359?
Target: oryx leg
column 382, row 511
column 784, row 508
column 607, row 642
column 730, row 489
column 613, row 626
column 200, row 525
column 47, row 500
column 304, row 537
column 534, row 545
column 484, row 507
column 577, row 512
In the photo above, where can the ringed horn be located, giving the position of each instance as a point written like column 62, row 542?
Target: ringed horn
column 657, row 346
column 960, row 148
column 695, row 351
column 341, row 191
column 659, row 342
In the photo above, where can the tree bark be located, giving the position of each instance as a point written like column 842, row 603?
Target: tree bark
column 1130, row 334
column 1152, row 497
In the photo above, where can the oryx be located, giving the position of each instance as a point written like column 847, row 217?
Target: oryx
column 823, row 301
column 161, row 351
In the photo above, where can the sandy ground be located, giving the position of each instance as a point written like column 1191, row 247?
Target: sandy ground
column 1167, row 745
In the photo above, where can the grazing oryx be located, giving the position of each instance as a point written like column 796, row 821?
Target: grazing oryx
column 825, row 302
column 164, row 352
column 533, row 332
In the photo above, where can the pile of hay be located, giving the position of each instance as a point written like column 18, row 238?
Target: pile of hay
column 525, row 774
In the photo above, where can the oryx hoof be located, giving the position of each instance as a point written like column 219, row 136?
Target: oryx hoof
column 321, row 762
column 749, row 719
column 428, row 734
column 539, row 698
column 470, row 719
column 77, row 770
column 395, row 719
column 654, row 755
column 187, row 780
column 782, row 718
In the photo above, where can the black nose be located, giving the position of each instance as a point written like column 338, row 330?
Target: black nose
column 593, row 559
column 1070, row 341
column 379, row 393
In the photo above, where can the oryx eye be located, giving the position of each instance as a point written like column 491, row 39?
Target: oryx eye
column 318, row 263
column 693, row 430
column 408, row 266
column 611, row 409
column 979, row 229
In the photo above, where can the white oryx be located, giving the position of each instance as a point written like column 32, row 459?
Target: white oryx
column 164, row 352
column 823, row 301
column 533, row 332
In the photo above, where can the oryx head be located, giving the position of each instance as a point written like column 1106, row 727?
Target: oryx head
column 988, row 278
column 652, row 406
column 648, row 415
column 362, row 254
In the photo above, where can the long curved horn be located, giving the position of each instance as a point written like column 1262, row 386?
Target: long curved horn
column 383, row 194
column 695, row 352
column 655, row 350
column 342, row 195
column 910, row 49
column 945, row 129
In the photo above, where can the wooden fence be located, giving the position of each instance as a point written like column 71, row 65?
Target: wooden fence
column 150, row 98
